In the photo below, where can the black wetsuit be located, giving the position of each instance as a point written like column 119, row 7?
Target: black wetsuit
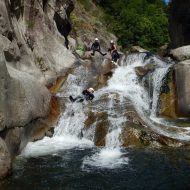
column 86, row 96
column 114, row 54
column 96, row 47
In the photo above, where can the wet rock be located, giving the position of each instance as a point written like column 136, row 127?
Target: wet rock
column 143, row 70
column 101, row 126
column 100, row 133
column 90, row 120
column 5, row 160
column 134, row 118
column 135, row 136
column 107, row 66
column 167, row 107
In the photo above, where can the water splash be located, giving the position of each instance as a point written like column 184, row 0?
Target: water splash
column 68, row 133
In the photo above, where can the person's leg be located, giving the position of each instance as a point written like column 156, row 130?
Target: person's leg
column 93, row 52
column 101, row 52
column 72, row 99
column 114, row 56
column 77, row 99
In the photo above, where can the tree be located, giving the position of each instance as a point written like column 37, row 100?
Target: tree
column 137, row 22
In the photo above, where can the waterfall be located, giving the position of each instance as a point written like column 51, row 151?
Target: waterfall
column 125, row 87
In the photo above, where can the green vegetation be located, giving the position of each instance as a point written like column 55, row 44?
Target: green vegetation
column 137, row 22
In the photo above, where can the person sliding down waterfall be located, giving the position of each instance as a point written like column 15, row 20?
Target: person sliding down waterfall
column 86, row 95
column 96, row 47
column 113, row 52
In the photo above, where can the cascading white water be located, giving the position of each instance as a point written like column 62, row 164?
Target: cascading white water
column 123, row 84
column 68, row 132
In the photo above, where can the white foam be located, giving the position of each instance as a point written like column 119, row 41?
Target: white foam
column 107, row 158
column 48, row 145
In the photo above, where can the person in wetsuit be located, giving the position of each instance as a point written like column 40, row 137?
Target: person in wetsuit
column 113, row 51
column 96, row 47
column 86, row 95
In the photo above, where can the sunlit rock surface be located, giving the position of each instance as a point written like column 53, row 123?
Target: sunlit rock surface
column 181, row 53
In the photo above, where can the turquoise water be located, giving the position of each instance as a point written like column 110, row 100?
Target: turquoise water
column 145, row 169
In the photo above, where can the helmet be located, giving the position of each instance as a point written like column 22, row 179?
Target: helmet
column 112, row 42
column 96, row 39
column 91, row 90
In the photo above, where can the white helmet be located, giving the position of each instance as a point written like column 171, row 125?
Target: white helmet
column 96, row 39
column 112, row 42
column 91, row 90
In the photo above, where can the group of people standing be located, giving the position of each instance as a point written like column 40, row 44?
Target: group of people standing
column 112, row 50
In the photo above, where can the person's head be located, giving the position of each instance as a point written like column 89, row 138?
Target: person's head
column 96, row 39
column 91, row 90
column 111, row 42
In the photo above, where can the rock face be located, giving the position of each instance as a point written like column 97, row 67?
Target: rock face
column 179, row 23
column 22, row 98
column 182, row 72
column 168, row 101
column 33, row 54
column 5, row 160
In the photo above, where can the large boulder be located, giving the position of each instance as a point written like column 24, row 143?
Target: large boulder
column 181, row 54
